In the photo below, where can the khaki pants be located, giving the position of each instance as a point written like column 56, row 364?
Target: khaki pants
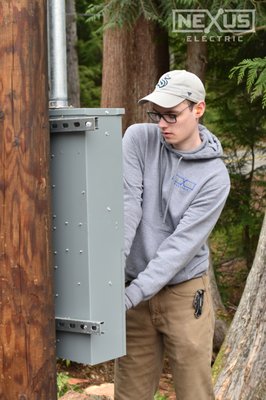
column 166, row 323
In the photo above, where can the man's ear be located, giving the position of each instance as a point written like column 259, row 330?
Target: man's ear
column 199, row 109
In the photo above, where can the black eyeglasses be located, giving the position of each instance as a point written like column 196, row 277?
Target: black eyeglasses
column 170, row 118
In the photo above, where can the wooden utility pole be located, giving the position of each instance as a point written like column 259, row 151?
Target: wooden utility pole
column 27, row 334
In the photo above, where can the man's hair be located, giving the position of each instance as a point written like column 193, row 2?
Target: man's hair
column 191, row 104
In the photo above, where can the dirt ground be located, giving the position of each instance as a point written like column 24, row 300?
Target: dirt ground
column 85, row 375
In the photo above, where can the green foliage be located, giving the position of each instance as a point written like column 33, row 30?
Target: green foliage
column 228, row 255
column 68, row 363
column 126, row 12
column 159, row 396
column 256, row 77
column 241, row 126
column 226, row 243
column 63, row 386
column 89, row 49
column 218, row 365
column 123, row 12
column 90, row 86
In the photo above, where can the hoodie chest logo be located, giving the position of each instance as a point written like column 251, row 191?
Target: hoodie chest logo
column 183, row 183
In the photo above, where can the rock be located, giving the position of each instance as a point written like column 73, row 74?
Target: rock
column 75, row 396
column 102, row 392
column 77, row 381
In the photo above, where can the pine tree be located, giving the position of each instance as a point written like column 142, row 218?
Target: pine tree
column 256, row 77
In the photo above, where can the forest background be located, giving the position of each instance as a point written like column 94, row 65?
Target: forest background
column 120, row 48
column 238, row 122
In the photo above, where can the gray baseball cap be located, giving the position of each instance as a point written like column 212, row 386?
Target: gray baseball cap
column 174, row 87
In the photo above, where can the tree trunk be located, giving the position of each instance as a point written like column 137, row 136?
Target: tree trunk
column 217, row 301
column 27, row 330
column 220, row 313
column 133, row 61
column 241, row 363
column 72, row 55
column 196, row 61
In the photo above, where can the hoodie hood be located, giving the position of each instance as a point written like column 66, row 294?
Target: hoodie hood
column 209, row 148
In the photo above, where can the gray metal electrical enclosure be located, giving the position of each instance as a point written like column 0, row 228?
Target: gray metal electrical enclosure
column 87, row 223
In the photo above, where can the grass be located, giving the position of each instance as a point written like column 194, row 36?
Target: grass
column 63, row 386
column 159, row 396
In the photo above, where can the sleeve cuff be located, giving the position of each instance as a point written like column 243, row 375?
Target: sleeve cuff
column 134, row 296
column 128, row 303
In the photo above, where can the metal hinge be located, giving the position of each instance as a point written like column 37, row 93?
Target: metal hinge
column 73, row 124
column 79, row 326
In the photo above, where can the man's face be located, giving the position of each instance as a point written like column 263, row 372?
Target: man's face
column 184, row 133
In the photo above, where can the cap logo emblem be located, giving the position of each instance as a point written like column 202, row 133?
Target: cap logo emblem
column 189, row 93
column 163, row 82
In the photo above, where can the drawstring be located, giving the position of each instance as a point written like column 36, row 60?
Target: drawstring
column 170, row 193
column 161, row 179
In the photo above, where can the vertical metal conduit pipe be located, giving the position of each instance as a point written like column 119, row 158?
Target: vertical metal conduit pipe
column 57, row 54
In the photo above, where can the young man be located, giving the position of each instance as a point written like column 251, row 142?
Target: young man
column 176, row 185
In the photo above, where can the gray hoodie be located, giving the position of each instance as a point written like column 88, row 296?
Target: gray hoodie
column 172, row 200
